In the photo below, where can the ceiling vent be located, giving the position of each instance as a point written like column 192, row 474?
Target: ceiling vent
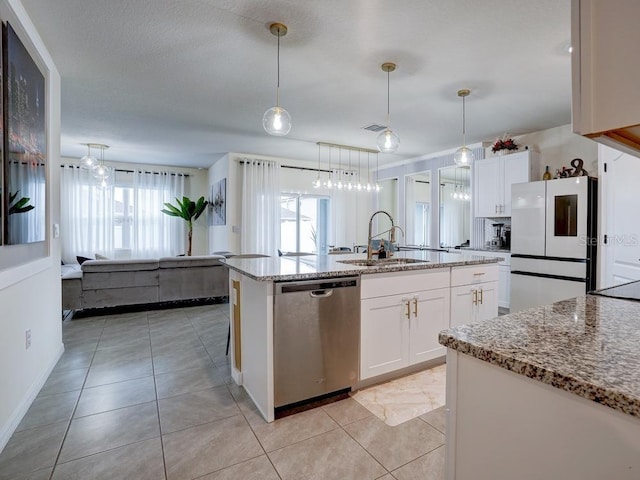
column 374, row 127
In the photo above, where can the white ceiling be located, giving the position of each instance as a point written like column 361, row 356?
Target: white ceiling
column 181, row 82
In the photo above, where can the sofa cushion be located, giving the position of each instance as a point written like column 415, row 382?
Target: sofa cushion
column 187, row 262
column 70, row 271
column 130, row 265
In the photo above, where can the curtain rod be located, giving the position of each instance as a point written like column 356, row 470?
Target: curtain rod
column 131, row 171
column 311, row 169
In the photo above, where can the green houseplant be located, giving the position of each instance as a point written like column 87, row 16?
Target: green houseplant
column 189, row 211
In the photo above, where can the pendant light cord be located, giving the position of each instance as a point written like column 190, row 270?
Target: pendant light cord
column 464, row 121
column 388, row 90
column 278, row 84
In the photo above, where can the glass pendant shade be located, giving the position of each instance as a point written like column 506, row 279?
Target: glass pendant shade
column 463, row 157
column 101, row 172
column 88, row 162
column 276, row 121
column 388, row 141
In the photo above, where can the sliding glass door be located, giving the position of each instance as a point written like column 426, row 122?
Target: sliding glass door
column 304, row 221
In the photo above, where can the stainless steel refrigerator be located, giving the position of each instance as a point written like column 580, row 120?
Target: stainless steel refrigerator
column 553, row 240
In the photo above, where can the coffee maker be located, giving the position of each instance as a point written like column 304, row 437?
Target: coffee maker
column 498, row 240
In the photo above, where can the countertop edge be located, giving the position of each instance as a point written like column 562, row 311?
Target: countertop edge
column 607, row 397
column 358, row 270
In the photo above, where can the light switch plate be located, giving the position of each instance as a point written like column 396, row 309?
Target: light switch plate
column 56, row 230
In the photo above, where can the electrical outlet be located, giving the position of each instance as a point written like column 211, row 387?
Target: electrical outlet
column 27, row 338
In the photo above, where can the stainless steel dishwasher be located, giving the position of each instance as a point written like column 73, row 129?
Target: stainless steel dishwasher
column 316, row 338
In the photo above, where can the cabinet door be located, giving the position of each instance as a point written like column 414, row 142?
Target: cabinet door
column 463, row 309
column 504, row 286
column 515, row 169
column 487, row 305
column 384, row 330
column 429, row 316
column 486, row 181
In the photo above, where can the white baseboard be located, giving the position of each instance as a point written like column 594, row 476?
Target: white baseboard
column 16, row 417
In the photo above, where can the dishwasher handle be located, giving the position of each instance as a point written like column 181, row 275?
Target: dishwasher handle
column 321, row 293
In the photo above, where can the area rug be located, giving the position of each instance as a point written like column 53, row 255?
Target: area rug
column 409, row 397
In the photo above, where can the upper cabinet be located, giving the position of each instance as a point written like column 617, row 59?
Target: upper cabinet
column 605, row 72
column 493, row 178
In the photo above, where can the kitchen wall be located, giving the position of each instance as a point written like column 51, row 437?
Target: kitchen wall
column 557, row 147
column 30, row 284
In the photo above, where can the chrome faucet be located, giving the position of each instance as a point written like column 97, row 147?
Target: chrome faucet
column 392, row 231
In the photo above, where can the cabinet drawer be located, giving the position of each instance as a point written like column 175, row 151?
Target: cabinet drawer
column 474, row 274
column 395, row 283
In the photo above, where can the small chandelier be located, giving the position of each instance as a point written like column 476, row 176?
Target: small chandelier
column 345, row 178
column 277, row 121
column 463, row 156
column 388, row 141
column 101, row 172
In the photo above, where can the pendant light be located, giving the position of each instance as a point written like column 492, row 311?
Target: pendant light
column 89, row 161
column 388, row 141
column 277, row 121
column 463, row 156
column 101, row 172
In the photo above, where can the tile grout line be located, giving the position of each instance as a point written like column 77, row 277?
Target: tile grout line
column 66, row 432
column 155, row 389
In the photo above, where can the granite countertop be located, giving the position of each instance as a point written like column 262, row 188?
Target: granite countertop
column 486, row 249
column 586, row 345
column 326, row 266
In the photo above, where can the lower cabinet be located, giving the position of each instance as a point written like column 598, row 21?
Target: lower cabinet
column 473, row 303
column 402, row 330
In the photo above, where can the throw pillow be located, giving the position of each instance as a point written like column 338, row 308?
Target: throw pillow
column 82, row 259
column 101, row 257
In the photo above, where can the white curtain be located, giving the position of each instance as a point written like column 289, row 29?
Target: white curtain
column 260, row 207
column 86, row 216
column 156, row 234
column 121, row 220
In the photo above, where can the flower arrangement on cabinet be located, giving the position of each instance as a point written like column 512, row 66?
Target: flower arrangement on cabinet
column 504, row 143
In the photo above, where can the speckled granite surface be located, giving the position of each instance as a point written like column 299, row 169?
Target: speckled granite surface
column 589, row 346
column 327, row 266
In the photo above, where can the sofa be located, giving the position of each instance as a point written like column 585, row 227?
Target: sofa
column 113, row 283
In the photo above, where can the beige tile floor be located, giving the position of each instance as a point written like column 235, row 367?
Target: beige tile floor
column 148, row 395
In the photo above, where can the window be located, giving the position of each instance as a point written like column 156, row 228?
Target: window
column 121, row 221
column 304, row 221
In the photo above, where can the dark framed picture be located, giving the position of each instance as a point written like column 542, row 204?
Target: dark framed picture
column 24, row 142
column 218, row 203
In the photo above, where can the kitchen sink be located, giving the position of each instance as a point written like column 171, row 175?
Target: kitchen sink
column 382, row 262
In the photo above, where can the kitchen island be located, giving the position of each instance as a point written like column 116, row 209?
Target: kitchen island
column 404, row 303
column 547, row 393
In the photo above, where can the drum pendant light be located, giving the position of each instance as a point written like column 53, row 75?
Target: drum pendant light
column 277, row 121
column 388, row 141
column 463, row 156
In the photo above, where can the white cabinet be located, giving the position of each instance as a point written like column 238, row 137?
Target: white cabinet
column 474, row 294
column 604, row 37
column 401, row 329
column 504, row 274
column 493, row 178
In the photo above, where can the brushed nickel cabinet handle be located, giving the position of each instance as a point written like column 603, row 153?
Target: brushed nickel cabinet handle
column 415, row 306
column 475, row 297
column 481, row 296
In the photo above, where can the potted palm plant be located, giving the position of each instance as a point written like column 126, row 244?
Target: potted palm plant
column 189, row 211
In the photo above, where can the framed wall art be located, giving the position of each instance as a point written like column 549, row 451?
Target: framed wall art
column 218, row 203
column 24, row 144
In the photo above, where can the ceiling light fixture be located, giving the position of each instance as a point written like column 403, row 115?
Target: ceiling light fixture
column 89, row 161
column 100, row 171
column 463, row 156
column 388, row 141
column 277, row 121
